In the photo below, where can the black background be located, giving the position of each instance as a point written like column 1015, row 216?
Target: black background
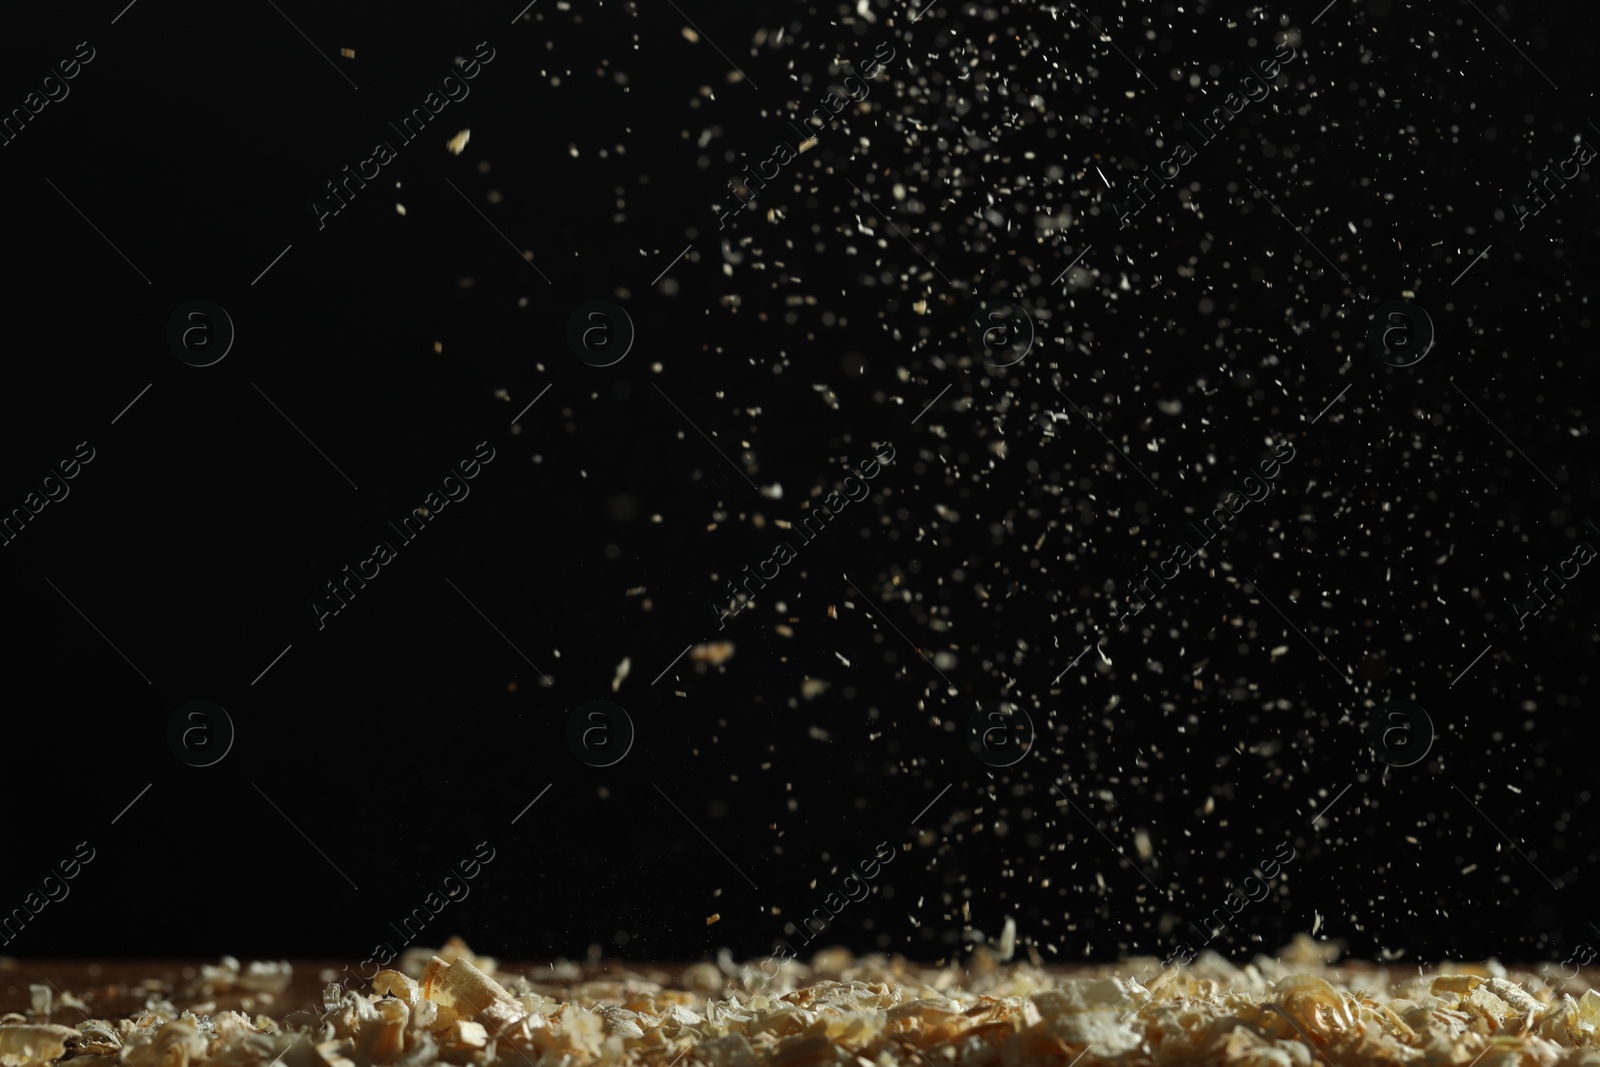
column 380, row 750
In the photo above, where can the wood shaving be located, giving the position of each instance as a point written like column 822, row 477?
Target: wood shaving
column 842, row 1010
column 713, row 652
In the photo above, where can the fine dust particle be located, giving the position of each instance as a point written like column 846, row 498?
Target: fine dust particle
column 714, row 653
column 1008, row 939
column 812, row 688
column 438, row 346
column 458, row 142
column 713, row 917
column 622, row 673
column 690, row 36
column 348, row 53
column 400, row 209
column 511, row 687
column 503, row 394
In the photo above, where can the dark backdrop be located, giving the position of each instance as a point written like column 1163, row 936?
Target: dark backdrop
column 1242, row 713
